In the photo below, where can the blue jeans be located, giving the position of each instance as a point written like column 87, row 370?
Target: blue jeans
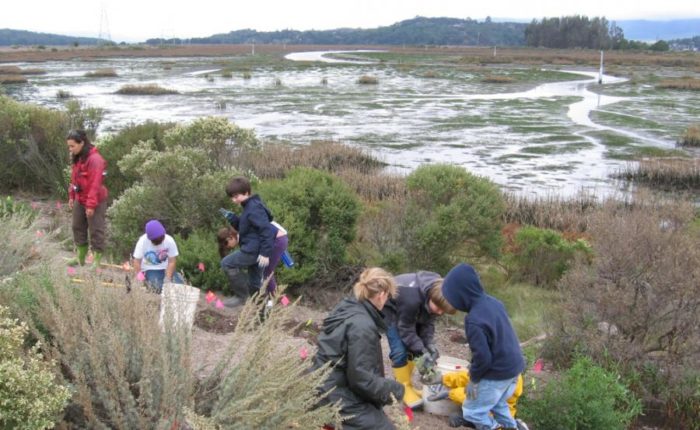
column 155, row 278
column 491, row 398
column 398, row 353
column 239, row 260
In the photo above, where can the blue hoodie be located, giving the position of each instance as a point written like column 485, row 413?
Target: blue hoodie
column 496, row 353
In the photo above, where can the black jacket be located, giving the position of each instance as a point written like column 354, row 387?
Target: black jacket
column 255, row 233
column 409, row 310
column 351, row 342
column 496, row 353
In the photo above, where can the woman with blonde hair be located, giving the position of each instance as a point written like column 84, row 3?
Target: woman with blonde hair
column 350, row 341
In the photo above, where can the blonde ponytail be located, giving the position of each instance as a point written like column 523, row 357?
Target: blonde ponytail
column 373, row 281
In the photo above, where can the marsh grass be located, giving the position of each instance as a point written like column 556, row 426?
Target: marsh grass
column 563, row 214
column 34, row 71
column 12, row 79
column 102, row 73
column 63, row 94
column 367, row 80
column 145, row 90
column 684, row 83
column 495, row 79
column 691, row 136
column 671, row 173
column 10, row 70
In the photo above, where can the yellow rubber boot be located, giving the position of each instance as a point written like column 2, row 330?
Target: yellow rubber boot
column 513, row 400
column 456, row 381
column 411, row 397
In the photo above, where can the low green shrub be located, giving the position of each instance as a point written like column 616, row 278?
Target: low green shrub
column 320, row 213
column 585, row 397
column 201, row 247
column 451, row 215
column 541, row 256
column 116, row 146
column 691, row 136
column 30, row 396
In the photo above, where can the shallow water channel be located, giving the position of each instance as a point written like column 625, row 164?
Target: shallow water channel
column 533, row 139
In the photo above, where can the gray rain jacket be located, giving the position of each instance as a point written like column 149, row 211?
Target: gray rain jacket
column 409, row 310
column 351, row 342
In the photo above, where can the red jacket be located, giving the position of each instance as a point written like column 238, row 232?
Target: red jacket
column 87, row 175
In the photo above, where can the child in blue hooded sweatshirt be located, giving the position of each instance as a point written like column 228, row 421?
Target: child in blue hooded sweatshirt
column 497, row 359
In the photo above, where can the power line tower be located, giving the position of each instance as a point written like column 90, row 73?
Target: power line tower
column 104, row 25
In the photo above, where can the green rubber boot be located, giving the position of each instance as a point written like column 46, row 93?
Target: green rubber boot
column 96, row 259
column 79, row 260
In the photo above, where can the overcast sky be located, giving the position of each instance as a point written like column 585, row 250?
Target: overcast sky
column 138, row 20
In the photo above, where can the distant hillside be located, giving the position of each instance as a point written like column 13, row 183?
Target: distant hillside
column 21, row 37
column 416, row 31
column 660, row 30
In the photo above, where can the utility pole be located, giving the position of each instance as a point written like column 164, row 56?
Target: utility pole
column 104, row 24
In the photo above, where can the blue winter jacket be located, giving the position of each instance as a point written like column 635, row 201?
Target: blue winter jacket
column 496, row 353
column 255, row 233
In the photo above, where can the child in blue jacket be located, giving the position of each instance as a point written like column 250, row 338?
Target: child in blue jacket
column 256, row 240
column 497, row 359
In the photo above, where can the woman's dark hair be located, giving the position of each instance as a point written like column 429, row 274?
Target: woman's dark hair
column 80, row 136
column 222, row 238
column 238, row 185
column 158, row 240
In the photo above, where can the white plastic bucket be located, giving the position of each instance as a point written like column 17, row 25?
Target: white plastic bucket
column 444, row 407
column 179, row 304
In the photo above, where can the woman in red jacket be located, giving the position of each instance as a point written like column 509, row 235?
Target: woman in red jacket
column 87, row 196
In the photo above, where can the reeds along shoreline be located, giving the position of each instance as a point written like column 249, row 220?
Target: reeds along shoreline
column 675, row 173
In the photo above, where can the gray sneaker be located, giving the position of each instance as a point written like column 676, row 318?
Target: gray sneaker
column 521, row 424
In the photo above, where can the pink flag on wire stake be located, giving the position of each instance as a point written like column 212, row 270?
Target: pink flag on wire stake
column 409, row 413
column 303, row 353
column 210, row 297
column 219, row 304
column 35, row 205
column 201, row 267
column 39, row 233
column 284, row 300
column 59, row 205
column 70, row 271
column 538, row 366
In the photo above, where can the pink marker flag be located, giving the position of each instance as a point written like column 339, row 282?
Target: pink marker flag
column 39, row 233
column 284, row 300
column 90, row 258
column 210, row 297
column 35, row 205
column 70, row 271
column 140, row 276
column 219, row 304
column 538, row 366
column 409, row 413
column 303, row 353
column 201, row 267
column 59, row 205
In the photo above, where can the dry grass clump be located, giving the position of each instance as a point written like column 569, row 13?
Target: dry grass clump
column 145, row 90
column 367, row 80
column 12, row 79
column 102, row 73
column 684, row 83
column 691, row 137
column 494, row 79
column 636, row 305
column 10, row 70
column 669, row 173
column 358, row 168
column 33, row 71
column 558, row 213
column 63, row 94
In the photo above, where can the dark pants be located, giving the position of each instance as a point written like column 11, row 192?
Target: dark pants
column 95, row 226
column 398, row 353
column 277, row 250
column 237, row 261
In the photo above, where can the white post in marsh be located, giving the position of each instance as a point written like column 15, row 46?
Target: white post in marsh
column 600, row 73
